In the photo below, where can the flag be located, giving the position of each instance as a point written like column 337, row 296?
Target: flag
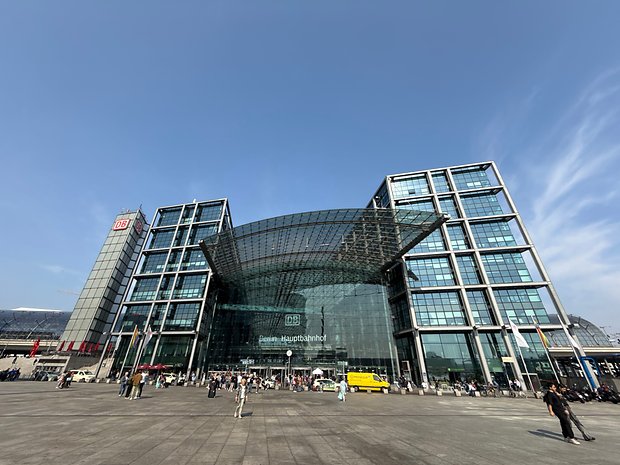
column 117, row 345
column 96, row 348
column 134, row 338
column 90, row 347
column 148, row 335
column 60, row 346
column 82, row 347
column 521, row 342
column 543, row 338
column 70, row 347
column 35, row 347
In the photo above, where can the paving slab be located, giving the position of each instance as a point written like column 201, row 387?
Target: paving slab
column 90, row 424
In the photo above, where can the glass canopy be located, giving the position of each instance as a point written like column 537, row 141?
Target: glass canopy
column 316, row 248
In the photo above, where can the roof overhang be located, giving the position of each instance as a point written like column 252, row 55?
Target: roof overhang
column 316, row 248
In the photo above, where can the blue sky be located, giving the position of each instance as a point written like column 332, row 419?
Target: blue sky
column 292, row 106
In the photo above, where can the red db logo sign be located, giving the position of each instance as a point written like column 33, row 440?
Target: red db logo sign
column 120, row 224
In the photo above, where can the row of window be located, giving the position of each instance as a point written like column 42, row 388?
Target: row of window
column 179, row 317
column 501, row 268
column 184, row 215
column 464, row 178
column 474, row 205
column 179, row 260
column 486, row 234
column 173, row 237
column 521, row 306
column 183, row 287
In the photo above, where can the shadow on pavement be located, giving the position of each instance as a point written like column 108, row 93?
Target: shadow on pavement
column 543, row 433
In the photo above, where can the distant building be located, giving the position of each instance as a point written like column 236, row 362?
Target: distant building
column 99, row 301
column 20, row 327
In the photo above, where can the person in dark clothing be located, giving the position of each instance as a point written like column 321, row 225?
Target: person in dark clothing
column 212, row 388
column 574, row 419
column 555, row 405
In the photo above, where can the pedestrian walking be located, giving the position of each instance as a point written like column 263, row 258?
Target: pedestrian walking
column 240, row 398
column 145, row 376
column 342, row 390
column 212, row 388
column 135, row 385
column 124, row 381
column 574, row 419
column 557, row 408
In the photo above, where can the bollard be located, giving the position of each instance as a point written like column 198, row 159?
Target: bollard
column 476, row 393
column 385, row 391
column 420, row 392
column 457, row 393
column 403, row 392
column 439, row 392
column 368, row 391
column 98, row 380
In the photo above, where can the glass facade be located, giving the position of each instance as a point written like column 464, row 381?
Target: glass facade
column 451, row 357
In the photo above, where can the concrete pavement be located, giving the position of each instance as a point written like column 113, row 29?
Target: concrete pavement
column 90, row 424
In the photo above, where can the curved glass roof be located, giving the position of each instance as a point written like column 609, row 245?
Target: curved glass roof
column 305, row 250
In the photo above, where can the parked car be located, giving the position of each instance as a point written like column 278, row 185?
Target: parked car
column 45, row 376
column 170, row 378
column 83, row 376
column 269, row 384
column 324, row 384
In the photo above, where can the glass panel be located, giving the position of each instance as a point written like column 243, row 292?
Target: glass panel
column 458, row 238
column 441, row 182
column 194, row 260
column 492, row 234
column 154, row 262
column 157, row 316
column 135, row 315
column 521, row 306
column 168, row 217
column 430, row 272
column 470, row 178
column 209, row 212
column 182, row 317
column 166, row 288
column 190, row 286
column 438, row 309
column 145, row 289
column 447, row 205
column 425, row 205
column 452, row 359
column 432, row 243
column 161, row 239
column 199, row 232
column 188, row 214
column 173, row 261
column 480, row 307
column 470, row 273
column 506, row 268
column 416, row 185
column 181, row 236
column 484, row 204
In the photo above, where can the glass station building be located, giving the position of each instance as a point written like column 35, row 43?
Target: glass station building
column 421, row 282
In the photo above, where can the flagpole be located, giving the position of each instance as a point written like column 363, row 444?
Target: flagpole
column 527, row 372
column 544, row 344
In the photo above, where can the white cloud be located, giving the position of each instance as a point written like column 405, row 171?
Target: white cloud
column 568, row 196
column 58, row 269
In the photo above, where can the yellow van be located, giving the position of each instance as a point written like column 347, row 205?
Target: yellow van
column 365, row 381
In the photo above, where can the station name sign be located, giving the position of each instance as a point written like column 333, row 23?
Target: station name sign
column 284, row 340
column 119, row 225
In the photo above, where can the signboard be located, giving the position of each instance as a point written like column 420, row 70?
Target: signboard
column 289, row 353
column 247, row 361
column 508, row 360
column 138, row 226
column 121, row 224
column 292, row 319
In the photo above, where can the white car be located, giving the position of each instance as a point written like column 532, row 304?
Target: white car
column 83, row 376
column 169, row 378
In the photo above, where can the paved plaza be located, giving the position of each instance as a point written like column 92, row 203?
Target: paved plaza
column 90, row 424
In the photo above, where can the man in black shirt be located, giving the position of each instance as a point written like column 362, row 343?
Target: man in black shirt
column 556, row 407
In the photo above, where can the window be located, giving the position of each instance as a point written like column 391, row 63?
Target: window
column 161, row 239
column 182, row 317
column 468, row 267
column 440, row 181
column 425, row 205
column 199, row 232
column 168, row 217
column 190, row 286
column 438, row 309
column 135, row 315
column 458, row 238
column 144, row 289
column 451, row 356
column 484, row 204
column 210, row 212
column 416, row 185
column 480, row 307
column 506, row 268
column 432, row 243
column 181, row 237
column 173, row 261
column 470, row 178
column 188, row 213
column 521, row 306
column 430, row 272
column 166, row 288
column 447, row 205
column 157, row 316
column 400, row 312
column 154, row 262
column 490, row 234
column 194, row 260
